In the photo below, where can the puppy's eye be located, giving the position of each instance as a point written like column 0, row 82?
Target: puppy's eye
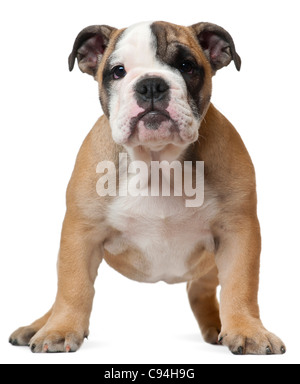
column 187, row 67
column 118, row 72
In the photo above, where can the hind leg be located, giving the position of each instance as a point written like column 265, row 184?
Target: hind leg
column 23, row 335
column 205, row 306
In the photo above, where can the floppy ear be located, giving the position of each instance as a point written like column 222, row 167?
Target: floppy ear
column 217, row 45
column 89, row 47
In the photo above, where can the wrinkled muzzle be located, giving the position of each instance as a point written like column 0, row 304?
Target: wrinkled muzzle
column 153, row 110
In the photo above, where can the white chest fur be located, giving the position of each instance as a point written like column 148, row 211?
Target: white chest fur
column 164, row 230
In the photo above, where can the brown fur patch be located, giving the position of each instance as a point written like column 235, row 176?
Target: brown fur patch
column 176, row 43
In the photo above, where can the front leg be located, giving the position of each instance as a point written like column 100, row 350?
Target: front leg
column 238, row 263
column 78, row 261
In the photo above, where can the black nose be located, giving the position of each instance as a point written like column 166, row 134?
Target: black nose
column 152, row 89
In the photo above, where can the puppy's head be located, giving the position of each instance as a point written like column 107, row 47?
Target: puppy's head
column 154, row 78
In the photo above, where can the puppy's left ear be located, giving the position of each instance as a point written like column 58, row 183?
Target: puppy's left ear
column 89, row 48
column 217, row 45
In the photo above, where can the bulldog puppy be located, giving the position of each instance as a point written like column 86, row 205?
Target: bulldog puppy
column 155, row 83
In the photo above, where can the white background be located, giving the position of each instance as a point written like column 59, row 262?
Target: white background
column 45, row 114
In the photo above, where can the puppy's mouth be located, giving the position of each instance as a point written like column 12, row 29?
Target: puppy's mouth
column 153, row 126
column 153, row 119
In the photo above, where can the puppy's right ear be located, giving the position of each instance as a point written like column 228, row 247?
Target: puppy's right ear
column 89, row 47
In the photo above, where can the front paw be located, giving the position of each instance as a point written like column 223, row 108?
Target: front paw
column 251, row 341
column 51, row 341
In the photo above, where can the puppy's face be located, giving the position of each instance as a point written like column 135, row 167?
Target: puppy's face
column 154, row 78
column 155, row 86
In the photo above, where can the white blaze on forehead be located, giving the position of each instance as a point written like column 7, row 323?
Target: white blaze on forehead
column 136, row 48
